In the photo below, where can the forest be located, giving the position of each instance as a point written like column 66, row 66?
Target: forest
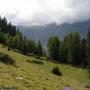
column 72, row 49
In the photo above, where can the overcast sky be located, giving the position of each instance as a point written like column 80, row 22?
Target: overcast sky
column 42, row 12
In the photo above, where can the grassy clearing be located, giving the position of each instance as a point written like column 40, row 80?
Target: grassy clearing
column 31, row 76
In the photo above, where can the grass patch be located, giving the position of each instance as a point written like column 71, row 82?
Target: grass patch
column 38, row 76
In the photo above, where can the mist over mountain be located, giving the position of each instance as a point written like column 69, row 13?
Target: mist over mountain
column 42, row 33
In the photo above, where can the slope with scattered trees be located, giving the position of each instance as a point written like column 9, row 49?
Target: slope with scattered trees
column 71, row 50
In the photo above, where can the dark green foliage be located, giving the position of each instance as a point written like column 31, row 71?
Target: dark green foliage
column 88, row 49
column 17, row 41
column 64, row 49
column 84, row 53
column 14, row 39
column 56, row 71
column 7, row 32
column 7, row 27
column 31, row 46
column 88, row 54
column 6, row 59
column 71, row 49
column 8, row 48
column 2, row 39
column 37, row 57
column 54, row 47
column 74, row 49
column 88, row 35
column 39, row 49
column 24, row 46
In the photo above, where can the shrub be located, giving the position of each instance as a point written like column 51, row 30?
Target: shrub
column 56, row 71
column 8, row 48
column 6, row 59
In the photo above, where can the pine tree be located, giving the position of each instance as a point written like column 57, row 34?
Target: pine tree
column 83, row 52
column 88, row 54
column 54, row 48
column 39, row 49
column 88, row 49
column 74, row 47
column 24, row 46
column 64, row 49
column 31, row 46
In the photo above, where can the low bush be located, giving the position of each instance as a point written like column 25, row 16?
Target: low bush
column 6, row 59
column 8, row 48
column 56, row 71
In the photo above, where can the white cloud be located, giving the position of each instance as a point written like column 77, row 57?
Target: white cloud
column 41, row 12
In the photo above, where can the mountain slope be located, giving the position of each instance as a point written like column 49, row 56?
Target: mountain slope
column 30, row 76
column 43, row 33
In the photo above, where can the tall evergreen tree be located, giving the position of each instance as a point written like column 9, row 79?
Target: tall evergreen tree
column 4, row 25
column 7, row 27
column 17, row 41
column 88, row 54
column 83, row 52
column 64, row 49
column 88, row 49
column 24, row 46
column 39, row 49
column 74, row 47
column 54, row 47
column 31, row 46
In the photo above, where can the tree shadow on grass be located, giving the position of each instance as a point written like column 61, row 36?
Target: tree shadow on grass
column 36, row 62
column 26, row 54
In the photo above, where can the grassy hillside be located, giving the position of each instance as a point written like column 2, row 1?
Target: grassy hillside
column 27, row 75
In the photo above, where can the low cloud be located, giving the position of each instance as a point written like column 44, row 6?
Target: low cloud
column 42, row 12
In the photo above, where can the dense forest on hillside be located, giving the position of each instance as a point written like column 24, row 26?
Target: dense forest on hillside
column 15, row 40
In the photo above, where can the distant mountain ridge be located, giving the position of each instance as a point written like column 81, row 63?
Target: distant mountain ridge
column 42, row 33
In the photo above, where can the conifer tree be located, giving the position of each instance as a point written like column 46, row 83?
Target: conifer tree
column 54, row 48
column 39, row 49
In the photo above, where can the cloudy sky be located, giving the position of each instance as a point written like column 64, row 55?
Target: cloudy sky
column 42, row 12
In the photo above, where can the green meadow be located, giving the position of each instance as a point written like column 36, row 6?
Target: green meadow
column 27, row 75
